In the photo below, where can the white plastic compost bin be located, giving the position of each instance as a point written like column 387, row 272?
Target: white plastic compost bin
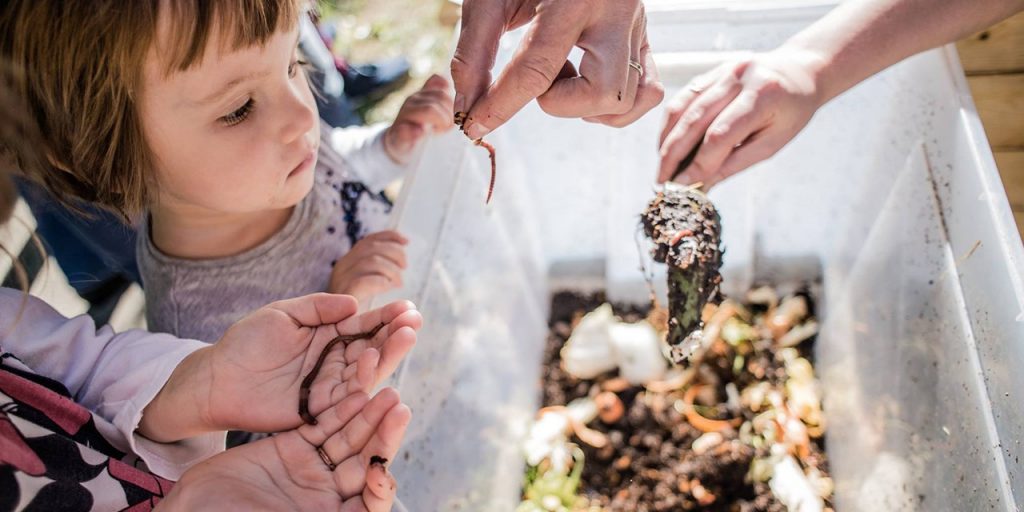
column 890, row 198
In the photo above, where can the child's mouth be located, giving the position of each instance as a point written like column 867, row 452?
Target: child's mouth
column 306, row 164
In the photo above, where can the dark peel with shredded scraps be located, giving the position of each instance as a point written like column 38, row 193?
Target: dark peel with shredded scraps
column 687, row 235
column 460, row 121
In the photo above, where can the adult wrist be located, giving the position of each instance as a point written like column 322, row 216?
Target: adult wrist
column 816, row 65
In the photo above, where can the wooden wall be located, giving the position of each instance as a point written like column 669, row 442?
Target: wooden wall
column 994, row 62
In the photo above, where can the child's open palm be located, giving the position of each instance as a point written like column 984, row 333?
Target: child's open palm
column 251, row 379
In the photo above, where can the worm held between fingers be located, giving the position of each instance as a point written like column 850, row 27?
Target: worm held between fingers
column 308, row 381
column 460, row 121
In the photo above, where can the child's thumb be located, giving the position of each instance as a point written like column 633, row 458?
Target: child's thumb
column 436, row 82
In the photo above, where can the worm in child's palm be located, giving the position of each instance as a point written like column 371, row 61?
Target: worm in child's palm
column 257, row 368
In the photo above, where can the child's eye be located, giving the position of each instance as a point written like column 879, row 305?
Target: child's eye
column 293, row 67
column 239, row 115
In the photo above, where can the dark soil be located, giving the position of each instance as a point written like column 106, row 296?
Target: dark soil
column 649, row 464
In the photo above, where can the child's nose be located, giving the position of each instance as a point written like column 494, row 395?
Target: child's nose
column 299, row 117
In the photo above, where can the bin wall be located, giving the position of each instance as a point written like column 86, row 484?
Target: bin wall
column 890, row 197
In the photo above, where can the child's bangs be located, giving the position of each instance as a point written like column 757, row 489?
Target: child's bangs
column 239, row 24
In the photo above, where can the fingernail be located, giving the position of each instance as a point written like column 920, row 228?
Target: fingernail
column 460, row 103
column 477, row 131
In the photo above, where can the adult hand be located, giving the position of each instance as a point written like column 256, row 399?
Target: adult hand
column 250, row 379
column 616, row 84
column 741, row 112
column 288, row 471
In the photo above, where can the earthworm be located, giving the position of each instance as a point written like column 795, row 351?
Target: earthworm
column 494, row 168
column 308, row 381
column 460, row 121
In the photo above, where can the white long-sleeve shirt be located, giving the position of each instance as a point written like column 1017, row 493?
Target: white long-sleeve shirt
column 113, row 375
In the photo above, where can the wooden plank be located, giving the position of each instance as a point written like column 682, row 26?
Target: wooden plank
column 1000, row 102
column 999, row 49
column 1011, row 168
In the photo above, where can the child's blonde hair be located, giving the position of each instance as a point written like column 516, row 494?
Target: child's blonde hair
column 80, row 68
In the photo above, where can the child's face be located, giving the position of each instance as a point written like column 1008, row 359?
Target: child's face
column 236, row 133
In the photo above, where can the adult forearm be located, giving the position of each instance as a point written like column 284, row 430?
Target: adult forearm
column 862, row 37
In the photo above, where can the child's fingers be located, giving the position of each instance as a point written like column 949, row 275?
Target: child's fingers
column 425, row 111
column 392, row 251
column 391, row 246
column 379, row 264
column 389, row 234
column 434, row 96
column 366, row 286
column 436, row 82
column 393, row 235
column 333, row 382
column 386, row 314
column 317, row 309
column 367, row 367
column 394, row 349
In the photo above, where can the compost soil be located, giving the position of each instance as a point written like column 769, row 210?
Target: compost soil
column 649, row 464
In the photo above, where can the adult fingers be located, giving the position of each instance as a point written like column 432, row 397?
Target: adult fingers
column 381, row 489
column 682, row 100
column 330, row 421
column 384, row 442
column 733, row 126
column 556, row 29
column 760, row 146
column 693, row 124
column 483, row 24
column 650, row 92
column 354, row 437
column 607, row 84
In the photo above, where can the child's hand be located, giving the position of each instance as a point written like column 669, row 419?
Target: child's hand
column 373, row 266
column 250, row 380
column 428, row 110
column 289, row 472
